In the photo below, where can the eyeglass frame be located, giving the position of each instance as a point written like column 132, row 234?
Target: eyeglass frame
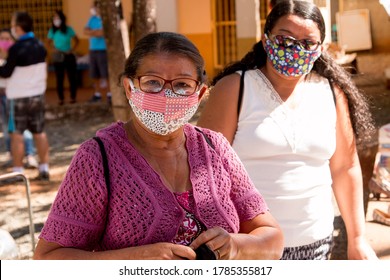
column 296, row 42
column 198, row 83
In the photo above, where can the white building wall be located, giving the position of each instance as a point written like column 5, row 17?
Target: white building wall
column 167, row 15
column 248, row 24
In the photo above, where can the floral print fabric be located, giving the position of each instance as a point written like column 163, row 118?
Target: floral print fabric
column 293, row 61
column 190, row 227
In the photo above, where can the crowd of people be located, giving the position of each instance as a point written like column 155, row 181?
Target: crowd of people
column 22, row 106
column 253, row 179
column 26, row 70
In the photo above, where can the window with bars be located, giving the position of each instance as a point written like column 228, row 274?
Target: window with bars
column 40, row 10
column 264, row 11
column 225, row 33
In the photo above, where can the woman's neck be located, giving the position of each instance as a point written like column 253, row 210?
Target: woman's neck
column 282, row 84
column 151, row 143
column 167, row 155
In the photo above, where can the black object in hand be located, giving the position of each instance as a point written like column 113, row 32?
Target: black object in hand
column 204, row 253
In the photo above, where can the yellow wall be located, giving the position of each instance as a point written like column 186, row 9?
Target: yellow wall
column 77, row 14
column 194, row 17
column 204, row 43
column 194, row 21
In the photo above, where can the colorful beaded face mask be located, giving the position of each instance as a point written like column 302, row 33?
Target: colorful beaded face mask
column 163, row 112
column 291, row 61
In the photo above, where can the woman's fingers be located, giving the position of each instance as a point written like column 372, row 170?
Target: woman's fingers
column 218, row 240
column 181, row 252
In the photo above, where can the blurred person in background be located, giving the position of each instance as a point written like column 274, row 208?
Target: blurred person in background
column 6, row 41
column 98, row 64
column 27, row 72
column 63, row 40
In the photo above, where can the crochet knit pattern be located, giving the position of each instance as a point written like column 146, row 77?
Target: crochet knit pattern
column 141, row 209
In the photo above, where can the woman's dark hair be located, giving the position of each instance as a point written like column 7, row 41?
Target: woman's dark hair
column 23, row 20
column 62, row 27
column 325, row 66
column 273, row 3
column 164, row 42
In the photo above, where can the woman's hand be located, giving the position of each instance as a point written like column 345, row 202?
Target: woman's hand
column 259, row 239
column 159, row 251
column 166, row 251
column 219, row 241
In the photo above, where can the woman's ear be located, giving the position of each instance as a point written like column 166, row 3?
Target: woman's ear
column 127, row 87
column 263, row 40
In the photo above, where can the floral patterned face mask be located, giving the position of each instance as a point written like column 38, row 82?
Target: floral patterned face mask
column 163, row 112
column 291, row 61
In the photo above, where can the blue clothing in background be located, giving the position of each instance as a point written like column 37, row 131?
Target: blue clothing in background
column 62, row 41
column 96, row 43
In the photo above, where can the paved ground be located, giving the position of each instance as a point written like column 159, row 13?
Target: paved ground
column 65, row 135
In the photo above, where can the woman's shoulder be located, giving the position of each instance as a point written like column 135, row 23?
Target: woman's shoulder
column 69, row 29
column 89, row 148
column 114, row 129
column 50, row 32
column 195, row 130
column 229, row 79
column 107, row 134
column 213, row 138
column 314, row 77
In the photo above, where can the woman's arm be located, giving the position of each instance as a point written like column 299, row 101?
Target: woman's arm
column 159, row 251
column 220, row 110
column 347, row 182
column 93, row 32
column 259, row 238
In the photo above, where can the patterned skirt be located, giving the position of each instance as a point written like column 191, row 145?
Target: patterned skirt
column 319, row 250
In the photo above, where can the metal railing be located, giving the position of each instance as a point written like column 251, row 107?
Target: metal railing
column 28, row 194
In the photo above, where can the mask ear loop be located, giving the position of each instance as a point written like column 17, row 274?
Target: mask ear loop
column 132, row 87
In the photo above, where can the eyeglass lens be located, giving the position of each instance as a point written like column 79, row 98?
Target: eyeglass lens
column 287, row 42
column 181, row 86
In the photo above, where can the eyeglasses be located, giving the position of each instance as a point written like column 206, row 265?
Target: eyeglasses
column 288, row 42
column 180, row 86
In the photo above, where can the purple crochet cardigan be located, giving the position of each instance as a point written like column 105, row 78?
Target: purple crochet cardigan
column 142, row 210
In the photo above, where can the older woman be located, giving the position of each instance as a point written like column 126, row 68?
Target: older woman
column 173, row 187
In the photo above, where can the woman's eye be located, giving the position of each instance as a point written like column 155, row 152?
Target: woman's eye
column 153, row 83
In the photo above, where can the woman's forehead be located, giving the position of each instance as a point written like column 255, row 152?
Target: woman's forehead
column 166, row 63
column 293, row 24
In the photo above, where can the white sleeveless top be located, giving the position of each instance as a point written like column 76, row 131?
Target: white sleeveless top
column 286, row 147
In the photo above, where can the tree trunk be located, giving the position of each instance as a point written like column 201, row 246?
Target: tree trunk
column 144, row 18
column 111, row 17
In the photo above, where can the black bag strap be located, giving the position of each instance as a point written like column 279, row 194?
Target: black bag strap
column 240, row 93
column 206, row 138
column 106, row 175
column 105, row 163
